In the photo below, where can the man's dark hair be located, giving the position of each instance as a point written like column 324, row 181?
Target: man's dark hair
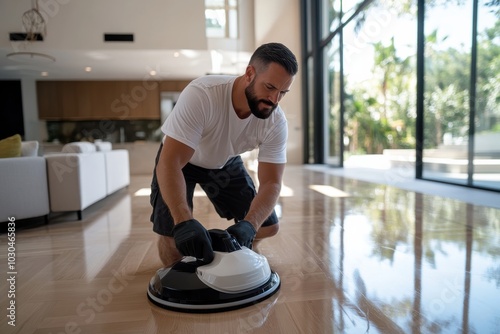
column 274, row 53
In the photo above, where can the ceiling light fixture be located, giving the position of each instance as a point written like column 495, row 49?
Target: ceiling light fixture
column 152, row 73
column 36, row 29
column 31, row 57
column 44, row 74
column 88, row 69
column 34, row 23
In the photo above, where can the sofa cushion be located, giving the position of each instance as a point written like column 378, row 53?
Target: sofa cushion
column 24, row 192
column 79, row 147
column 29, row 148
column 103, row 146
column 10, row 147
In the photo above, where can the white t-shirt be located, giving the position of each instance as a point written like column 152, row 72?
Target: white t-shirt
column 204, row 119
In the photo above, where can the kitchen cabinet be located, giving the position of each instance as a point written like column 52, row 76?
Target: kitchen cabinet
column 97, row 100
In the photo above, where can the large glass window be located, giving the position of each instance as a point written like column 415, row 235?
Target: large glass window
column 331, row 102
column 331, row 16
column 363, row 92
column 310, row 112
column 486, row 166
column 221, row 18
column 379, row 81
column 447, row 82
column 462, row 83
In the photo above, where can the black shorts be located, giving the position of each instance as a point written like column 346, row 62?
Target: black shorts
column 230, row 189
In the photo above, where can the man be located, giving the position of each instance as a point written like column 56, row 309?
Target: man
column 215, row 119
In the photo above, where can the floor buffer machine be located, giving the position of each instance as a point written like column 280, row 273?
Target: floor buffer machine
column 236, row 278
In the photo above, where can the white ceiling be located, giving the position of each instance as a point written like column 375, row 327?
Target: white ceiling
column 169, row 38
column 122, row 64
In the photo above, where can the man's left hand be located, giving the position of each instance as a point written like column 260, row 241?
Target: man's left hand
column 244, row 232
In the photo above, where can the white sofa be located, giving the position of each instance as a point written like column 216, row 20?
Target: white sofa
column 117, row 170
column 85, row 173
column 24, row 191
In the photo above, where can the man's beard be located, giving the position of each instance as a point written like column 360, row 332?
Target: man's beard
column 253, row 103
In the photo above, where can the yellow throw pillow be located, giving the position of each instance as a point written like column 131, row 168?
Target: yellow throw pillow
column 10, row 147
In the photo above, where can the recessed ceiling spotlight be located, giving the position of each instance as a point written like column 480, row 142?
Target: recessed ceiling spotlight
column 44, row 74
column 176, row 54
column 152, row 73
column 88, row 69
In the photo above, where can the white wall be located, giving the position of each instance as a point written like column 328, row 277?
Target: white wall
column 80, row 24
column 279, row 21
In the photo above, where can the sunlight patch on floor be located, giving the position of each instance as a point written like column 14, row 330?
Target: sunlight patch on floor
column 143, row 192
column 328, row 190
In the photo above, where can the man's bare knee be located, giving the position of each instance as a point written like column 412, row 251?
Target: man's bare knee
column 267, row 231
column 168, row 251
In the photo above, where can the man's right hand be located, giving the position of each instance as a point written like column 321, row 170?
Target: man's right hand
column 192, row 239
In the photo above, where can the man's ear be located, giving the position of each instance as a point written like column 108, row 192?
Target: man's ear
column 249, row 74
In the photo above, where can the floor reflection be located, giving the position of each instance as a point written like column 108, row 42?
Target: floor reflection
column 105, row 233
column 353, row 257
column 410, row 263
column 248, row 319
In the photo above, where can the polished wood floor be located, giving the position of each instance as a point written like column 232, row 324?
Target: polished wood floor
column 353, row 257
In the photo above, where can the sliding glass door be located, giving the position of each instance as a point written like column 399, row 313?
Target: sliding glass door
column 461, row 99
column 486, row 147
column 410, row 85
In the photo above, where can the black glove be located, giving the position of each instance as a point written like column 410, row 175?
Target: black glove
column 192, row 239
column 244, row 232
